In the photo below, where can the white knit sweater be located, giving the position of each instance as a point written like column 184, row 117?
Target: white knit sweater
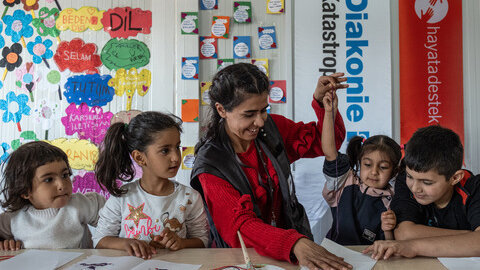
column 140, row 215
column 64, row 227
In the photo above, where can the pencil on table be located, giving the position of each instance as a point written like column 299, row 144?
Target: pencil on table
column 248, row 262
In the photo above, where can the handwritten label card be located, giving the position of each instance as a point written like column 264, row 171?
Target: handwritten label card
column 82, row 154
column 125, row 53
column 92, row 89
column 275, row 6
column 80, row 20
column 88, row 123
column 189, row 68
column 204, row 89
column 267, row 38
column 241, row 47
column 225, row 62
column 220, row 26
column 208, row 4
column 126, row 22
column 208, row 48
column 242, row 12
column 278, row 92
column 262, row 64
column 77, row 56
column 189, row 23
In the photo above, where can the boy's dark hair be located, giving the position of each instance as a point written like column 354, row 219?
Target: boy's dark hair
column 230, row 87
column 19, row 171
column 434, row 147
column 114, row 161
column 358, row 147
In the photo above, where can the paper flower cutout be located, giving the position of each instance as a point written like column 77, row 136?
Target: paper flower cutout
column 11, row 57
column 30, row 4
column 45, row 23
column 9, row 114
column 27, row 79
column 2, row 40
column 18, row 25
column 25, row 137
column 45, row 114
column 5, row 153
column 40, row 50
column 11, row 3
column 52, row 79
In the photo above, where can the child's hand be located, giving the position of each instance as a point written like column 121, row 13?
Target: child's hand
column 328, row 83
column 330, row 103
column 138, row 248
column 389, row 220
column 10, row 245
column 169, row 239
column 384, row 249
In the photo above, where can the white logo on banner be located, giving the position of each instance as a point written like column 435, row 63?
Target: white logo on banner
column 431, row 11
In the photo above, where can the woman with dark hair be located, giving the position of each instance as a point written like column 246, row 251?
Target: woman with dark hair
column 242, row 168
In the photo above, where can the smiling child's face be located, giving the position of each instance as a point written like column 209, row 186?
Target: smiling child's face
column 51, row 186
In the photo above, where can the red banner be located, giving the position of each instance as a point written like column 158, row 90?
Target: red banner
column 431, row 69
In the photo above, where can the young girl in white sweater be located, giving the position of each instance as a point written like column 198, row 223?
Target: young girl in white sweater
column 153, row 211
column 41, row 211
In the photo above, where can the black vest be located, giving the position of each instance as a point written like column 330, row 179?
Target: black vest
column 218, row 158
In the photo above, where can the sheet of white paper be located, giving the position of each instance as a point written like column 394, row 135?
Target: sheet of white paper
column 358, row 260
column 460, row 263
column 107, row 263
column 39, row 260
column 158, row 264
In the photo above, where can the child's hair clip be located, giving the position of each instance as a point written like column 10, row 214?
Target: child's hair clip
column 402, row 146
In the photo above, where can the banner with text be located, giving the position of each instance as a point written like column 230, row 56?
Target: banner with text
column 431, row 68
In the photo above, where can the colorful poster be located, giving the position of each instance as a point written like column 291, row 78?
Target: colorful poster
column 204, row 89
column 275, row 6
column 92, row 89
column 278, row 91
column 88, row 123
column 431, row 71
column 188, row 158
column 77, row 56
column 82, row 154
column 267, row 39
column 208, row 48
column 241, row 47
column 225, row 62
column 125, row 53
column 131, row 81
column 189, row 68
column 242, row 11
column 126, row 22
column 190, row 110
column 80, row 20
column 208, row 4
column 220, row 26
column 189, row 23
column 262, row 64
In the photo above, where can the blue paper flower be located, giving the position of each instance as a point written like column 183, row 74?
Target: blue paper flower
column 40, row 49
column 5, row 154
column 23, row 108
column 2, row 40
column 18, row 25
